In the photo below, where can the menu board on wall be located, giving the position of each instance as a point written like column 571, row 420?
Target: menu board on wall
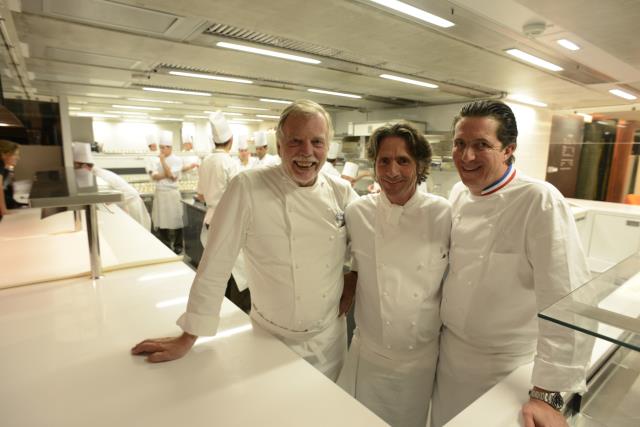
column 564, row 153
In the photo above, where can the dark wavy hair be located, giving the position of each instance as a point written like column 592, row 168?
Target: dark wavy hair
column 417, row 145
column 507, row 132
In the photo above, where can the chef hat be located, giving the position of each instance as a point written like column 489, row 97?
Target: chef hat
column 243, row 141
column 152, row 138
column 166, row 138
column 334, row 149
column 82, row 152
column 350, row 169
column 260, row 139
column 220, row 129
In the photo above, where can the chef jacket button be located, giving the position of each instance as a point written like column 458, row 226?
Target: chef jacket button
column 385, row 293
column 332, row 237
column 490, row 225
column 469, row 282
column 548, row 205
column 481, row 257
column 420, row 266
column 299, row 322
column 410, row 347
column 387, row 323
column 388, row 347
column 413, row 323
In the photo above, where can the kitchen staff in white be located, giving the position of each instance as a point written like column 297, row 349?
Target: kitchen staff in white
column 514, row 251
column 244, row 159
column 151, row 162
column 132, row 203
column 399, row 246
column 217, row 169
column 262, row 146
column 289, row 220
column 190, row 159
column 332, row 155
column 167, row 206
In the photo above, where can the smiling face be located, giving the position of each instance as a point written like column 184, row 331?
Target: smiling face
column 478, row 154
column 303, row 147
column 396, row 170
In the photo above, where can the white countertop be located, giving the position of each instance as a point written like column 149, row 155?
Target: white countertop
column 66, row 362
column 50, row 249
column 595, row 205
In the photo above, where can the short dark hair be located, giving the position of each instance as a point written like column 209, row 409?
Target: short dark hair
column 417, row 145
column 507, row 132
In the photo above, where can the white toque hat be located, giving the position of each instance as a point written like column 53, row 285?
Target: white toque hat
column 260, row 139
column 82, row 152
column 334, row 149
column 243, row 141
column 350, row 169
column 152, row 138
column 166, row 138
column 220, row 130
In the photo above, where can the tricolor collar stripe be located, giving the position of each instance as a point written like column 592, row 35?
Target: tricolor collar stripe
column 504, row 180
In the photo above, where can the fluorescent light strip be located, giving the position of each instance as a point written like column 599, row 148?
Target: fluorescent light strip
column 328, row 92
column 568, row 44
column 533, row 59
column 409, row 81
column 135, row 113
column 154, row 100
column 191, row 116
column 267, row 116
column 98, row 115
column 239, row 107
column 247, row 120
column 74, row 108
column 136, row 107
column 102, row 95
column 623, row 94
column 210, row 77
column 414, row 12
column 267, row 52
column 225, row 113
column 276, row 101
column 181, row 92
column 166, row 119
column 526, row 100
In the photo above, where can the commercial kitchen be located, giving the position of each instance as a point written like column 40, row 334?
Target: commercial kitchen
column 83, row 281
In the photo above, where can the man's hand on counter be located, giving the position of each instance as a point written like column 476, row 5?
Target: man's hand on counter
column 537, row 413
column 165, row 349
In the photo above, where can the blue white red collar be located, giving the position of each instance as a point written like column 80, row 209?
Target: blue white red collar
column 500, row 183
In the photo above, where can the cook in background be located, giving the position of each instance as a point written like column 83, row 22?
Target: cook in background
column 332, row 156
column 514, row 251
column 132, row 203
column 190, row 159
column 399, row 250
column 262, row 146
column 151, row 162
column 244, row 159
column 9, row 156
column 289, row 220
column 167, row 207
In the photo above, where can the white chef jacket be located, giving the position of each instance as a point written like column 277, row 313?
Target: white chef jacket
column 188, row 160
column 250, row 163
column 213, row 177
column 267, row 160
column 294, row 243
column 167, row 207
column 401, row 255
column 132, row 203
column 513, row 253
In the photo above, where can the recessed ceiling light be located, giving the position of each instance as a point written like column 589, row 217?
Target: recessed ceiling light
column 568, row 44
column 136, row 107
column 210, row 77
column 623, row 94
column 240, row 107
column 181, row 92
column 409, row 81
column 154, row 100
column 267, row 52
column 329, row 92
column 414, row 12
column 276, row 101
column 267, row 116
column 526, row 100
column 533, row 59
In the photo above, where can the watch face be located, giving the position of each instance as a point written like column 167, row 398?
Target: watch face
column 557, row 401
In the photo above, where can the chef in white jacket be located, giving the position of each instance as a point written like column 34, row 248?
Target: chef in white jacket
column 262, row 146
column 166, row 212
column 132, row 203
column 289, row 220
column 332, row 155
column 244, row 160
column 399, row 246
column 514, row 251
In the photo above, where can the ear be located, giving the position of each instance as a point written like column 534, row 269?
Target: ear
column 509, row 150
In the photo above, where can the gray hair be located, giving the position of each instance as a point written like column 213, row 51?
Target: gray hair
column 308, row 108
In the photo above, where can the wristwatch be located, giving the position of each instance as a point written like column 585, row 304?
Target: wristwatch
column 553, row 398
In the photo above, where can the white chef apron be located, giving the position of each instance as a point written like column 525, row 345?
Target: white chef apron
column 325, row 350
column 465, row 373
column 397, row 390
column 167, row 208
